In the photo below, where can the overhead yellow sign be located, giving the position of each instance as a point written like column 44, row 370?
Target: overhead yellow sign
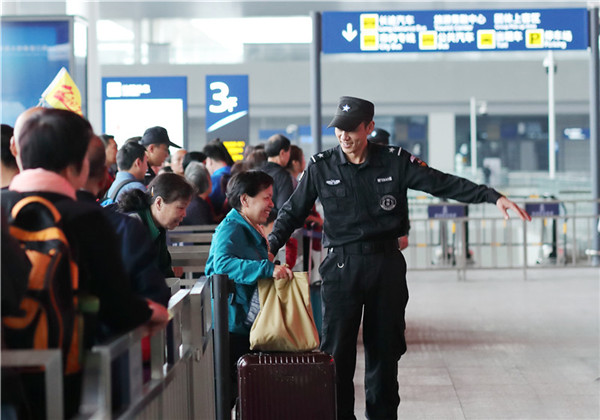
column 369, row 32
column 235, row 149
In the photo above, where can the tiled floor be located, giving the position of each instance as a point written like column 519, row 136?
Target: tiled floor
column 499, row 347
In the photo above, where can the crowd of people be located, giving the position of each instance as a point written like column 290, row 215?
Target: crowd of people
column 116, row 205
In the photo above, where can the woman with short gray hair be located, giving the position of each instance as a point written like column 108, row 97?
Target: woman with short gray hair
column 200, row 211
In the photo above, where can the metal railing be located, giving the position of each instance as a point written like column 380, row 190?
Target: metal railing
column 50, row 361
column 483, row 241
column 178, row 381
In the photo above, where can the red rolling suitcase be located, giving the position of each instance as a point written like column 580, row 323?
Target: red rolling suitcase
column 286, row 386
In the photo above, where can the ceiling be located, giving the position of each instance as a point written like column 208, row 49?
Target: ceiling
column 110, row 9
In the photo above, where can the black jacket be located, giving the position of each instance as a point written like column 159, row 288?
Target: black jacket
column 282, row 183
column 367, row 202
column 137, row 252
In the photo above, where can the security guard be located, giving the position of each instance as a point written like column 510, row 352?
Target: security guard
column 362, row 187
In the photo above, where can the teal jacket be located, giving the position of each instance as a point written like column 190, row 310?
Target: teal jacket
column 239, row 251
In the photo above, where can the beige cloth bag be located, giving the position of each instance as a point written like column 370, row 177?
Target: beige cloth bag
column 285, row 321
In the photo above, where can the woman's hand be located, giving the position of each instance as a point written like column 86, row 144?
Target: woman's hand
column 159, row 318
column 178, row 271
column 282, row 272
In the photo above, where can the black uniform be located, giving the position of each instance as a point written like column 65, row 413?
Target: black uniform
column 149, row 176
column 366, row 211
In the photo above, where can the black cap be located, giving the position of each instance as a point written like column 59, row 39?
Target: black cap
column 380, row 136
column 351, row 112
column 157, row 135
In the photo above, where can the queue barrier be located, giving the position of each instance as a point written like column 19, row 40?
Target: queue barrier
column 189, row 247
column 181, row 379
column 561, row 234
column 178, row 381
column 50, row 362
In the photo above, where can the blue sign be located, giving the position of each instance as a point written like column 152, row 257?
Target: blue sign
column 576, row 133
column 226, row 100
column 130, row 105
column 454, row 30
column 144, row 88
column 542, row 209
column 32, row 52
column 446, row 211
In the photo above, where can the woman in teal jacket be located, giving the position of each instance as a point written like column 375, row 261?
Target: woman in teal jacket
column 239, row 249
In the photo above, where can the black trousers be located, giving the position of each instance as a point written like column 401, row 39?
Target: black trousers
column 376, row 284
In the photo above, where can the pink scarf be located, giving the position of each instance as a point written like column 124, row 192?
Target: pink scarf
column 41, row 180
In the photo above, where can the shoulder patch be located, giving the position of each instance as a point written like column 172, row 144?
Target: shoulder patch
column 320, row 156
column 394, row 150
column 416, row 161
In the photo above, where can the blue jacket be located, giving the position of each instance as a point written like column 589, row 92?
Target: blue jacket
column 239, row 251
column 217, row 195
column 119, row 178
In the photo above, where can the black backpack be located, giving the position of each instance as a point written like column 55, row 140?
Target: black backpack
column 49, row 315
column 110, row 199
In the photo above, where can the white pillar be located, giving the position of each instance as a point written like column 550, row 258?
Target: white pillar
column 442, row 140
column 473, row 120
column 90, row 11
column 549, row 64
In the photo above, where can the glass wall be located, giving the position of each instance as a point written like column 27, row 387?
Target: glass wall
column 203, row 41
column 521, row 142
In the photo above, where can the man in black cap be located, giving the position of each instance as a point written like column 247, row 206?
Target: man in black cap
column 362, row 187
column 157, row 143
column 379, row 136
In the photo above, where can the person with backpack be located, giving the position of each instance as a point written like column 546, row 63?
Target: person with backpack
column 132, row 162
column 51, row 147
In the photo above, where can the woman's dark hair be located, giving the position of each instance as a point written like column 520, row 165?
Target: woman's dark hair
column 295, row 155
column 53, row 139
column 106, row 138
column 6, row 155
column 256, row 158
column 171, row 187
column 192, row 157
column 216, row 150
column 249, row 182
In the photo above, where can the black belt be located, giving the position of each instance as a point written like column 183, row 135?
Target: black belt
column 367, row 247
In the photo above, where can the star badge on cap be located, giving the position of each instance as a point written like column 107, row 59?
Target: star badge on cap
column 346, row 108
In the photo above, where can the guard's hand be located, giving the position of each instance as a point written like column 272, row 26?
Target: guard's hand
column 282, row 272
column 271, row 257
column 504, row 204
column 403, row 242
